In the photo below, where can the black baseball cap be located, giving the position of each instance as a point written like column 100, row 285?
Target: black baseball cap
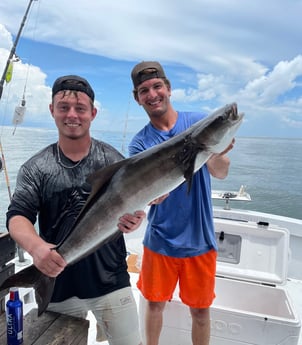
column 146, row 70
column 73, row 82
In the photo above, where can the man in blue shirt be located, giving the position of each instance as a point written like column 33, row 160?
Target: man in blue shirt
column 179, row 243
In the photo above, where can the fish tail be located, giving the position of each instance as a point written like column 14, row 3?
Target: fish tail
column 32, row 277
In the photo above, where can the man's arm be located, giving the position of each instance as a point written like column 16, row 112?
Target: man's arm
column 46, row 260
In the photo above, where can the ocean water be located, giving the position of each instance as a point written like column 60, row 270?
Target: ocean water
column 269, row 168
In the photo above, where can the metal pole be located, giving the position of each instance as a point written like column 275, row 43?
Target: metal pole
column 11, row 54
column 13, row 50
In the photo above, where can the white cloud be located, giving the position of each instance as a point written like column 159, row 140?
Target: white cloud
column 27, row 79
column 231, row 51
column 196, row 35
column 280, row 80
column 6, row 39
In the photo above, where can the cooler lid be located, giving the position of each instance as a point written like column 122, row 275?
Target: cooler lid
column 252, row 252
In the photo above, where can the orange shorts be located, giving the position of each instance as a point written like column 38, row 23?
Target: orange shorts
column 196, row 276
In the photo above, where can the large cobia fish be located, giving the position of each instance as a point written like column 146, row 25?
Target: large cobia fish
column 129, row 185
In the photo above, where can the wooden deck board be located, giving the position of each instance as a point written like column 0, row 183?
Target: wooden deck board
column 50, row 329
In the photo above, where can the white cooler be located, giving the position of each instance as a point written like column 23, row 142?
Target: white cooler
column 251, row 305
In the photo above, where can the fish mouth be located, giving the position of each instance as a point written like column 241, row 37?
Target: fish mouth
column 231, row 113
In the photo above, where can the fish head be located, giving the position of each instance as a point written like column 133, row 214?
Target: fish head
column 218, row 130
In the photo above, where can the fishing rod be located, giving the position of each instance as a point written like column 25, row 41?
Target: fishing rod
column 13, row 50
column 3, row 79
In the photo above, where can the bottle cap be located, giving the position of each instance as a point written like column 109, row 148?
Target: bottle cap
column 13, row 294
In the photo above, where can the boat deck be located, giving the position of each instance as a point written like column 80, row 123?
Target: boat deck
column 293, row 287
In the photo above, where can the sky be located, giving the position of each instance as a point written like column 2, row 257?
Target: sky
column 214, row 52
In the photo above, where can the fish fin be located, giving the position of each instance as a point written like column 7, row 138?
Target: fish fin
column 102, row 176
column 32, row 277
column 43, row 291
column 99, row 180
column 186, row 158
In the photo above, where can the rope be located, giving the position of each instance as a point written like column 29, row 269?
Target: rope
column 125, row 128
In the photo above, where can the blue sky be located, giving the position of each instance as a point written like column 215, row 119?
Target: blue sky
column 214, row 52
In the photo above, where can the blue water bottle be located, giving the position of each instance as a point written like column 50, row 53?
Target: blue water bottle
column 14, row 318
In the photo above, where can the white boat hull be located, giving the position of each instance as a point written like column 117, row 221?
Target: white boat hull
column 242, row 313
column 246, row 311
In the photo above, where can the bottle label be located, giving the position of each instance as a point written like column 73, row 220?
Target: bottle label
column 14, row 319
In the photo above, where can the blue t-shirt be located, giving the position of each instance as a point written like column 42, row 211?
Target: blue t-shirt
column 182, row 225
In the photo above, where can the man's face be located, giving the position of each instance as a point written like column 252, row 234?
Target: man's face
column 73, row 113
column 154, row 96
